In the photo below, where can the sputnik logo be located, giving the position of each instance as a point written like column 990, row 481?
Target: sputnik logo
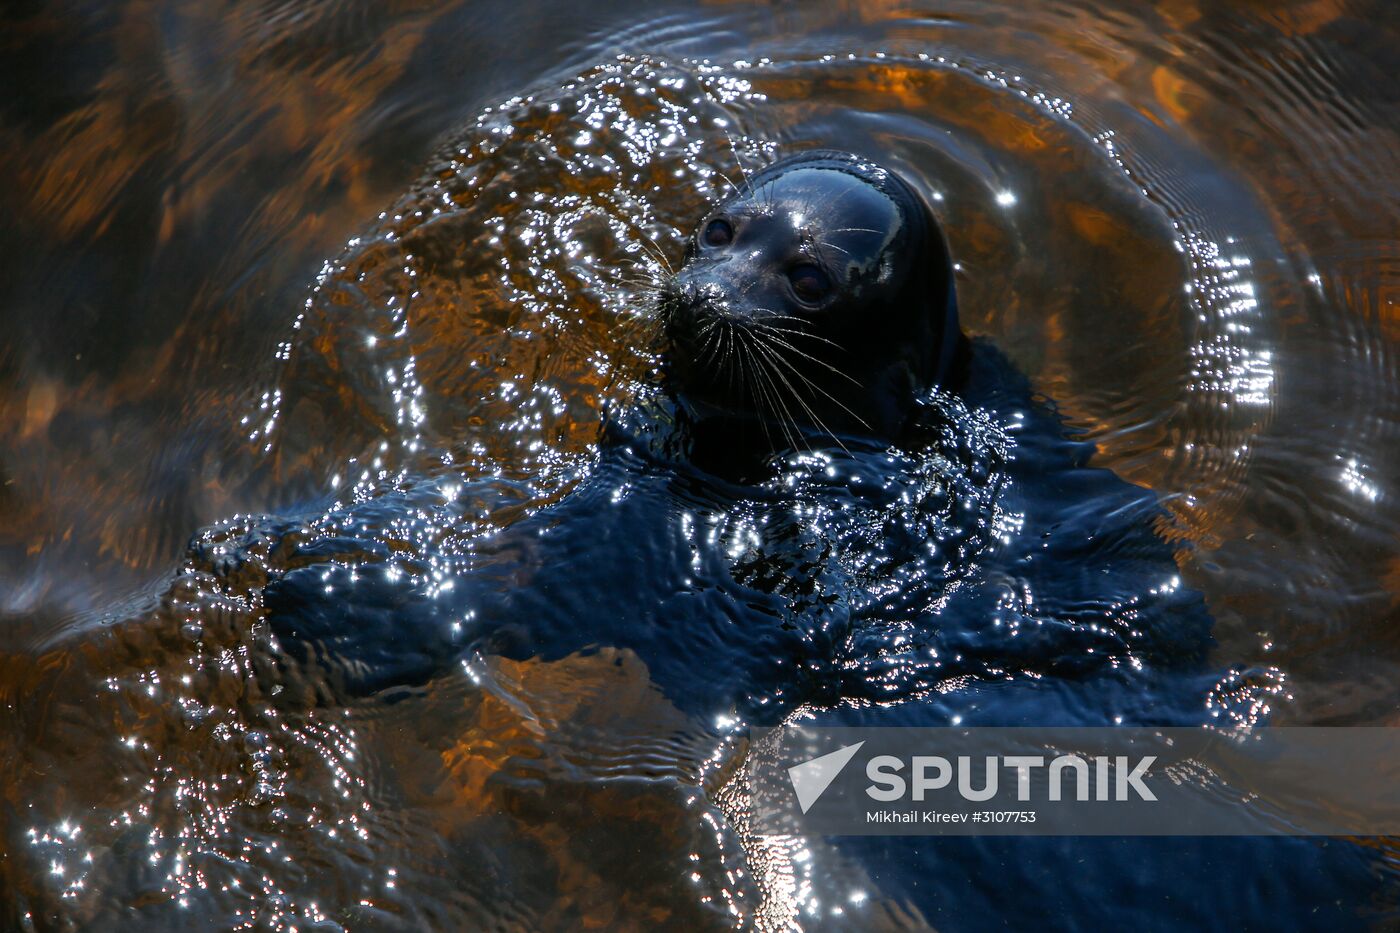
column 811, row 778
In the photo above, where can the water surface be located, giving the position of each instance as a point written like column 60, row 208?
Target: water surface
column 316, row 315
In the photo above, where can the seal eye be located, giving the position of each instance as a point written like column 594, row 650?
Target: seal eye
column 718, row 232
column 809, row 282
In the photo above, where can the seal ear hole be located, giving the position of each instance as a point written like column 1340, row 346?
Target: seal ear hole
column 718, row 232
column 809, row 282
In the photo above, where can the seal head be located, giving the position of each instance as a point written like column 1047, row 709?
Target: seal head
column 818, row 297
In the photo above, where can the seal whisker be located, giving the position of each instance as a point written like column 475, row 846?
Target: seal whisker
column 743, row 172
column 710, row 339
column 642, row 284
column 820, row 362
column 638, row 264
column 778, row 357
column 827, row 244
column 775, row 357
column 775, row 316
column 733, row 371
column 729, row 181
column 795, row 437
column 655, row 251
column 650, row 284
column 766, row 372
column 811, row 413
column 793, row 331
column 789, row 333
column 636, row 270
column 742, row 373
column 761, row 394
column 762, row 355
column 797, row 397
column 638, row 274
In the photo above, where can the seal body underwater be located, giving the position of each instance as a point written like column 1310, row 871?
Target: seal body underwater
column 819, row 296
column 815, row 307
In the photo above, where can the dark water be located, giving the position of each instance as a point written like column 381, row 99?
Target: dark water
column 462, row 639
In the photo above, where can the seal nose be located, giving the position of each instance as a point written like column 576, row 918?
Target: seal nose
column 700, row 290
column 694, row 300
column 704, row 296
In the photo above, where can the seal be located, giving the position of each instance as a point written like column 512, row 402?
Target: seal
column 818, row 297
